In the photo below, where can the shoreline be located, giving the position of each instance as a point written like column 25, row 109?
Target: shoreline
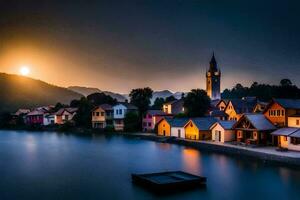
column 289, row 158
column 265, row 154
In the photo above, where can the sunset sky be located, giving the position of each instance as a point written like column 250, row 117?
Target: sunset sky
column 162, row 44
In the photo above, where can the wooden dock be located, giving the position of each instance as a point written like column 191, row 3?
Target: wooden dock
column 166, row 181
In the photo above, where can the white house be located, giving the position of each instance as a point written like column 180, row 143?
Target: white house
column 48, row 119
column 119, row 113
column 222, row 131
column 177, row 127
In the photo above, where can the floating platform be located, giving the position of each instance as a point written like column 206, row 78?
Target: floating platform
column 166, row 181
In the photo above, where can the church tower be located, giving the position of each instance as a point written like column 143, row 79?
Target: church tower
column 213, row 80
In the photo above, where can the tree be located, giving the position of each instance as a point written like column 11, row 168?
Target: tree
column 83, row 115
column 141, row 97
column 170, row 98
column 196, row 103
column 131, row 122
column 158, row 103
column 101, row 98
column 286, row 82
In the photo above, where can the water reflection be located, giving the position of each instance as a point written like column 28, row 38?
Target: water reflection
column 191, row 160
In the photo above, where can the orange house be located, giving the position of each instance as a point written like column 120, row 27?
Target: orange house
column 199, row 128
column 278, row 111
column 164, row 127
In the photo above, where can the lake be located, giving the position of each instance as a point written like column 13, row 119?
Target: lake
column 49, row 165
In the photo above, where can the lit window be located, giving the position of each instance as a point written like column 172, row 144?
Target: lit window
column 297, row 122
column 285, row 138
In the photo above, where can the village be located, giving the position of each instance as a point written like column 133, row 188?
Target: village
column 244, row 122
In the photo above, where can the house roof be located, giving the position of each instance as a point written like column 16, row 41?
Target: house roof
column 203, row 123
column 106, row 106
column 243, row 105
column 128, row 106
column 218, row 113
column 177, row 101
column 22, row 111
column 296, row 134
column 227, row 125
column 70, row 110
column 259, row 121
column 36, row 112
column 156, row 112
column 288, row 103
column 178, row 122
column 285, row 131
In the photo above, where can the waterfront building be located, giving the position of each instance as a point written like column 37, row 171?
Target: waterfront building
column 164, row 127
column 222, row 131
column 254, row 128
column 64, row 115
column 102, row 116
column 49, row 119
column 199, row 128
column 213, row 80
column 278, row 111
column 289, row 137
column 119, row 113
column 151, row 118
column 174, row 107
column 177, row 127
column 35, row 117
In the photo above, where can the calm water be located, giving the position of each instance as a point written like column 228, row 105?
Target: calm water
column 41, row 165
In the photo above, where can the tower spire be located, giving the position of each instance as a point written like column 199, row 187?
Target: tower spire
column 213, row 63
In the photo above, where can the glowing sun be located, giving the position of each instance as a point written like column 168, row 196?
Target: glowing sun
column 24, row 70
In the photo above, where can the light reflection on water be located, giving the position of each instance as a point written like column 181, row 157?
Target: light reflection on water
column 43, row 165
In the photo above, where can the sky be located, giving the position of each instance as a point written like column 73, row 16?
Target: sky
column 120, row 45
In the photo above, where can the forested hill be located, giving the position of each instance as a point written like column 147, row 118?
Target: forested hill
column 22, row 92
column 264, row 92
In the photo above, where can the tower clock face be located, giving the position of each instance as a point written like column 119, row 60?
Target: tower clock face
column 217, row 73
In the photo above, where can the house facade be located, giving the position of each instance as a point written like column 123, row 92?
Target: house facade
column 235, row 108
column 177, row 127
column 164, row 127
column 278, row 111
column 35, row 117
column 102, row 116
column 199, row 128
column 174, row 107
column 151, row 118
column 119, row 113
column 222, row 131
column 64, row 115
column 254, row 129
column 289, row 137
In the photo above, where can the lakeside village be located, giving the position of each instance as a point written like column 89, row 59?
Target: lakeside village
column 246, row 121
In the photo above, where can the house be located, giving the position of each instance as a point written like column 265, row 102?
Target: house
column 254, row 128
column 294, row 121
column 177, row 127
column 221, row 104
column 199, row 128
column 64, row 115
column 278, row 111
column 218, row 114
column 222, row 131
column 119, row 113
column 35, row 117
column 237, row 107
column 49, row 119
column 289, row 137
column 102, row 116
column 164, row 126
column 260, row 107
column 151, row 118
column 174, row 107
